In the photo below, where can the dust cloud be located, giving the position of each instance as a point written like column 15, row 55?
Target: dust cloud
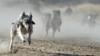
column 71, row 26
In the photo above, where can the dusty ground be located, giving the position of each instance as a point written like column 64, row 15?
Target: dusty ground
column 53, row 47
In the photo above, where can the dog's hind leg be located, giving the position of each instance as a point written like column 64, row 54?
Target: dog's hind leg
column 13, row 33
column 11, row 43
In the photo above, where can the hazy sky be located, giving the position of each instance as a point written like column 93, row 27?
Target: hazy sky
column 37, row 4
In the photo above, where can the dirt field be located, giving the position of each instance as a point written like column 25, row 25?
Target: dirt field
column 67, row 47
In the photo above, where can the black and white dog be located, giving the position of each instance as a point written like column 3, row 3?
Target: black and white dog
column 23, row 26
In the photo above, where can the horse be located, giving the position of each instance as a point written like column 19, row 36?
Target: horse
column 90, row 19
column 68, row 11
column 23, row 26
column 54, row 23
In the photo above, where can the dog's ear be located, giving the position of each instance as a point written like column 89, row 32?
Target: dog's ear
column 31, row 14
column 30, row 17
column 33, row 22
column 23, row 14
